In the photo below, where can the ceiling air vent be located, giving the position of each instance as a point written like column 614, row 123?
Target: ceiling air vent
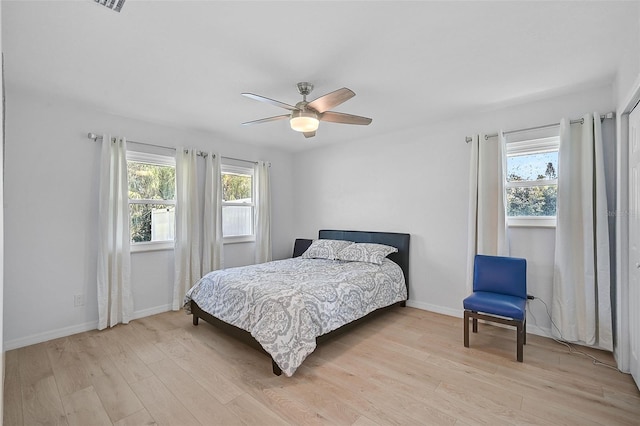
column 112, row 4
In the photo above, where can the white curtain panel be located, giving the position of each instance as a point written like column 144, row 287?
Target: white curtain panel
column 581, row 305
column 263, row 213
column 115, row 301
column 487, row 225
column 212, row 250
column 187, row 243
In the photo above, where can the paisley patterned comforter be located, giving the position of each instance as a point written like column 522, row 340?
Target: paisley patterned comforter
column 286, row 304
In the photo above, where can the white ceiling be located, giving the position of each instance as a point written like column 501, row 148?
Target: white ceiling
column 185, row 63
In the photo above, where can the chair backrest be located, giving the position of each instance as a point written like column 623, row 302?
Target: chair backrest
column 498, row 274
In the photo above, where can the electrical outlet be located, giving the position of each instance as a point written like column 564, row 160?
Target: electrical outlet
column 78, row 300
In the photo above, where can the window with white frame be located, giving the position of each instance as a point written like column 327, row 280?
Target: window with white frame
column 152, row 200
column 238, row 203
column 532, row 181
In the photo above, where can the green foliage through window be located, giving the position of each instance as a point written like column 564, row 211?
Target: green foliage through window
column 238, row 204
column 531, row 188
column 532, row 200
column 151, row 222
column 152, row 190
column 151, row 181
column 236, row 187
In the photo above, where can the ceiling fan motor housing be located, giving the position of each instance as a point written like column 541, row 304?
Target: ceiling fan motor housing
column 305, row 88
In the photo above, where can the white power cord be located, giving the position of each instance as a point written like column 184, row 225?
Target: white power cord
column 572, row 350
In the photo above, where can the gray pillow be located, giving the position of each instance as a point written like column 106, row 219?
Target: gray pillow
column 325, row 249
column 366, row 252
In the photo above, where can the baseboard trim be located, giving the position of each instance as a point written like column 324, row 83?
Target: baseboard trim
column 75, row 329
column 151, row 311
column 49, row 335
column 533, row 329
column 459, row 313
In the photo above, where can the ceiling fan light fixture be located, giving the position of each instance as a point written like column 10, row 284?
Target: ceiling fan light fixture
column 304, row 121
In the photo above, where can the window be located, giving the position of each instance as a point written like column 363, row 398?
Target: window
column 532, row 182
column 238, row 203
column 152, row 200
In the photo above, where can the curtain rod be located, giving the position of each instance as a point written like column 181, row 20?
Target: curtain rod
column 544, row 126
column 199, row 153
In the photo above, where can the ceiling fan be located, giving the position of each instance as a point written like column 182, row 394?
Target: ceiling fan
column 306, row 116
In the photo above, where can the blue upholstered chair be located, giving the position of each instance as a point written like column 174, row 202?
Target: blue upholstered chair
column 499, row 295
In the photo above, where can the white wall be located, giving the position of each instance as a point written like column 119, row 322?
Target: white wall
column 416, row 181
column 1, row 233
column 51, row 214
column 629, row 68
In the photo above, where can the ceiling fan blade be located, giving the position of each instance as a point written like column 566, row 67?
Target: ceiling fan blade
column 330, row 100
column 309, row 134
column 339, row 117
column 270, row 101
column 266, row 120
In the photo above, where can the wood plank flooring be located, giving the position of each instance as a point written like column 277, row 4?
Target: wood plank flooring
column 404, row 367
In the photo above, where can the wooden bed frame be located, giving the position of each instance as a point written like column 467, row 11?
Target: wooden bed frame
column 398, row 240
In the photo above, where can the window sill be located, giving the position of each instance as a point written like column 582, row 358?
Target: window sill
column 531, row 222
column 240, row 239
column 151, row 246
column 169, row 245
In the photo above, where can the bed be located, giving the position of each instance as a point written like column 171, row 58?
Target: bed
column 285, row 307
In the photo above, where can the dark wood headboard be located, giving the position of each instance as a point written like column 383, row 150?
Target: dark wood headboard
column 394, row 239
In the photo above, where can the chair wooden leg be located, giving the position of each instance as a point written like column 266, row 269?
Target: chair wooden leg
column 520, row 339
column 521, row 329
column 466, row 329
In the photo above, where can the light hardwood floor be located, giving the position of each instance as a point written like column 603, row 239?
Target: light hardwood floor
column 406, row 366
